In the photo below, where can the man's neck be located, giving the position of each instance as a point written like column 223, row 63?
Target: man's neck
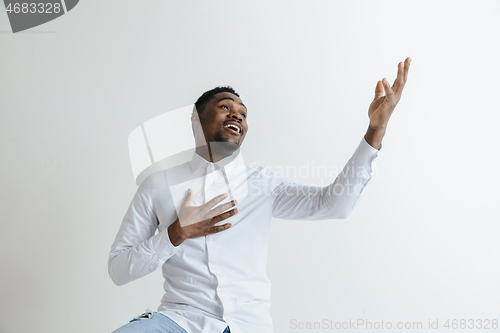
column 213, row 152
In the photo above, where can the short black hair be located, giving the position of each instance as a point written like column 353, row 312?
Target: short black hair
column 207, row 95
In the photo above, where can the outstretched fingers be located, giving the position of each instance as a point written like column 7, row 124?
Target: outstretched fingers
column 221, row 217
column 379, row 90
column 407, row 68
column 389, row 93
column 218, row 228
column 221, row 208
column 215, row 201
column 399, row 83
column 189, row 198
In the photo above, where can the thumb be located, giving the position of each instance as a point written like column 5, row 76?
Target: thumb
column 189, row 198
column 379, row 90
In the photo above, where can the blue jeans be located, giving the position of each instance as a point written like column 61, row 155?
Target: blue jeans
column 153, row 322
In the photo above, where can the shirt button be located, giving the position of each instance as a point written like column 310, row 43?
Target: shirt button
column 171, row 253
column 221, row 291
column 151, row 269
column 211, row 239
column 214, row 268
column 228, row 318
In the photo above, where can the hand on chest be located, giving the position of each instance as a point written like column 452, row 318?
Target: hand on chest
column 211, row 183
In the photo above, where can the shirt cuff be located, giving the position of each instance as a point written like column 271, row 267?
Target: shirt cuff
column 162, row 245
column 365, row 153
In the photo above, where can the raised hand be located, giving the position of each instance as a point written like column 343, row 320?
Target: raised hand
column 384, row 103
column 197, row 221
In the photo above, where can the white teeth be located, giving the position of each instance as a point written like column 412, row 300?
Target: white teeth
column 233, row 126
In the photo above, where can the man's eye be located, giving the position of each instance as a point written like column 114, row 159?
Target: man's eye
column 244, row 115
column 225, row 106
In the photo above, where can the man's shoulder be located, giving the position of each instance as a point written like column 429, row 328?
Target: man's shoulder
column 158, row 179
column 261, row 173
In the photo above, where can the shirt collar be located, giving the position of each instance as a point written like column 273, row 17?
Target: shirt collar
column 198, row 161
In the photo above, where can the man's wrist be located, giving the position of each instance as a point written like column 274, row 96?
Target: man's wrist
column 374, row 136
column 175, row 233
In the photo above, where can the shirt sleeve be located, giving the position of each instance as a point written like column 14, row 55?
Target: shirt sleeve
column 295, row 201
column 137, row 251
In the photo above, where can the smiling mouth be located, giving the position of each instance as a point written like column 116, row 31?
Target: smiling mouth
column 232, row 129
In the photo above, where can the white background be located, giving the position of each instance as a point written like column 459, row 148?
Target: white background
column 423, row 241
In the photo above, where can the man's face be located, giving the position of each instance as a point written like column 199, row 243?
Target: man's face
column 224, row 119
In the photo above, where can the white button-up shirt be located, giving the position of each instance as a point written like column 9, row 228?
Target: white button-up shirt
column 220, row 280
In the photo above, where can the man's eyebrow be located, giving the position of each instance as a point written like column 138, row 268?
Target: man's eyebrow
column 230, row 99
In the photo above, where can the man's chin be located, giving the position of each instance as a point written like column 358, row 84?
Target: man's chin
column 225, row 146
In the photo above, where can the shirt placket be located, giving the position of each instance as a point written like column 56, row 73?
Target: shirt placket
column 215, row 184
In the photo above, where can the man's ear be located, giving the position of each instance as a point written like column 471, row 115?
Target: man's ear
column 195, row 119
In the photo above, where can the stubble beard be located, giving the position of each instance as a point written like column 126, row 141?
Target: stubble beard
column 224, row 145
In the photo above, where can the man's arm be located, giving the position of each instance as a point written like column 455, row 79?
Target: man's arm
column 336, row 201
column 137, row 251
column 295, row 201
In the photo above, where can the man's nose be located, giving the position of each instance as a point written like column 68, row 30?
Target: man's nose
column 236, row 115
